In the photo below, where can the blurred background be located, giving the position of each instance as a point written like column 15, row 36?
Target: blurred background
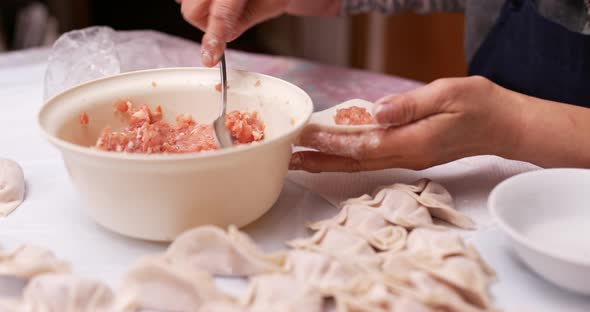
column 420, row 47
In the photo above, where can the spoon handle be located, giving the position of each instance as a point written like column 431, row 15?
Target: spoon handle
column 223, row 72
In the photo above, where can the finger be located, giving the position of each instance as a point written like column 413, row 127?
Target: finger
column 221, row 26
column 354, row 145
column 402, row 109
column 317, row 162
column 195, row 12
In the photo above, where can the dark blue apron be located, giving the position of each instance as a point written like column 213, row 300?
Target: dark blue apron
column 530, row 54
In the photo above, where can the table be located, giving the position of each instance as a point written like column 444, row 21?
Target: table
column 51, row 216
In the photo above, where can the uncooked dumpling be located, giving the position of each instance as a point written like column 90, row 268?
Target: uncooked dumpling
column 401, row 208
column 440, row 205
column 438, row 243
column 436, row 294
column 368, row 223
column 12, row 186
column 222, row 306
column 66, row 293
column 211, row 249
column 467, row 276
column 27, row 261
column 335, row 240
column 159, row 283
column 328, row 274
column 376, row 299
column 443, row 244
column 281, row 293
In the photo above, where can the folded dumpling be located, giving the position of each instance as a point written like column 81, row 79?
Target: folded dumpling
column 335, row 240
column 230, row 253
column 440, row 205
column 437, row 243
column 221, row 306
column 12, row 186
column 467, row 276
column 330, row 275
column 376, row 299
column 426, row 289
column 368, row 223
column 27, row 261
column 443, row 244
column 159, row 283
column 281, row 293
column 66, row 293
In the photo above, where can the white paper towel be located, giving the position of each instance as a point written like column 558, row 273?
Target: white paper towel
column 469, row 181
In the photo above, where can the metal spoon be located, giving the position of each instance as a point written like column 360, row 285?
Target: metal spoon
column 222, row 135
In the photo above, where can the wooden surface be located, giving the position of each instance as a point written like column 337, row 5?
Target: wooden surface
column 425, row 47
column 419, row 47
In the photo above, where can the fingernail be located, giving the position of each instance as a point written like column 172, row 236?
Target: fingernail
column 206, row 57
column 383, row 113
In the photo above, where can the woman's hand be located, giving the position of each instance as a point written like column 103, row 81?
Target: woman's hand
column 446, row 120
column 225, row 20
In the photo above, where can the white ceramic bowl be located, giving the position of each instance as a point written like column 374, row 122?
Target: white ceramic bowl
column 546, row 215
column 156, row 197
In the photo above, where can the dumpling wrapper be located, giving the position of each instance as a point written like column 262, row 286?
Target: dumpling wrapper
column 10, row 304
column 467, row 276
column 28, row 261
column 328, row 274
column 440, row 205
column 376, row 299
column 12, row 186
column 66, row 293
column 436, row 294
column 379, row 299
column 428, row 195
column 211, row 249
column 222, row 306
column 368, row 223
column 281, row 293
column 444, row 244
column 159, row 283
column 335, row 240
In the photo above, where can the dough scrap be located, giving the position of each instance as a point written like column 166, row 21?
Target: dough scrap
column 281, row 293
column 66, row 292
column 28, row 261
column 12, row 186
column 159, row 283
column 211, row 249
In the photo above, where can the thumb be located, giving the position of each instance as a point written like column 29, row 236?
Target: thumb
column 222, row 23
column 403, row 109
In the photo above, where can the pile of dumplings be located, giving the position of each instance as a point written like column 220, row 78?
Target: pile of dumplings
column 379, row 253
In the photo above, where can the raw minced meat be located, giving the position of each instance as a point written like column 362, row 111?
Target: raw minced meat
column 148, row 133
column 352, row 116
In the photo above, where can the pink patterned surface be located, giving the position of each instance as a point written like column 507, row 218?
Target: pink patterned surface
column 96, row 52
column 327, row 85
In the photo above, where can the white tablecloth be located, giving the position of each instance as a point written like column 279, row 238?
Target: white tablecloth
column 51, row 217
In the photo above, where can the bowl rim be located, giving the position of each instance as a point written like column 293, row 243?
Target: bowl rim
column 236, row 149
column 520, row 238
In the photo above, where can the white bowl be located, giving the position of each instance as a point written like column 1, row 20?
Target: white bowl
column 157, row 197
column 546, row 215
